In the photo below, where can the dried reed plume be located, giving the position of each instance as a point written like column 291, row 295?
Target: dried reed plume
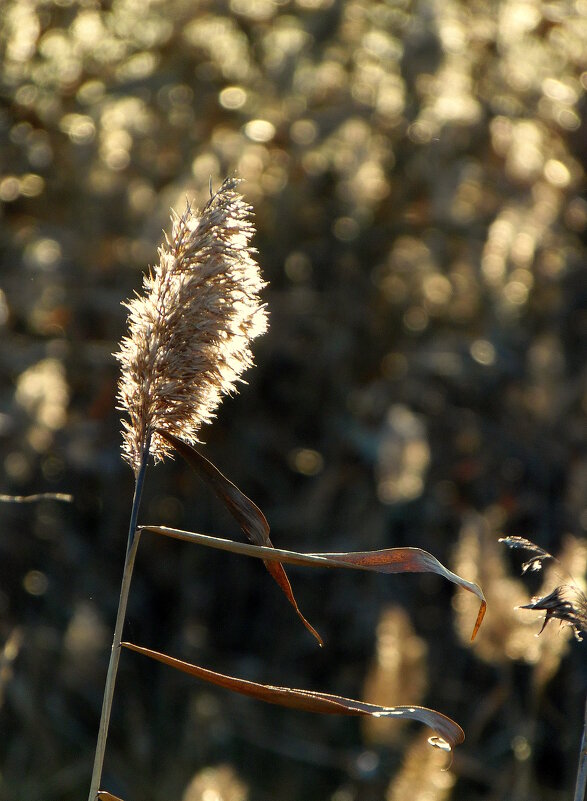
column 189, row 334
column 566, row 603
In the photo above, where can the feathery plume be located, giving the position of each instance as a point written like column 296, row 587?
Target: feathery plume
column 189, row 334
column 568, row 604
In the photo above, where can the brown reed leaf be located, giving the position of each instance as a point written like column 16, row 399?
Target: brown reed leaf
column 389, row 560
column 247, row 514
column 448, row 733
column 104, row 795
column 190, row 332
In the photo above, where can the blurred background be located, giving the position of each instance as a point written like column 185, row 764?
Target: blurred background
column 415, row 170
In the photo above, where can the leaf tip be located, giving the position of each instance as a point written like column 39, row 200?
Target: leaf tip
column 312, row 630
column 480, row 616
column 443, row 745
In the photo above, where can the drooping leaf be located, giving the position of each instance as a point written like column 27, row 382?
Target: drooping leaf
column 104, row 795
column 389, row 560
column 247, row 514
column 448, row 733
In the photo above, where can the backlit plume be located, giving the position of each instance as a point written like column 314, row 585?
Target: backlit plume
column 190, row 332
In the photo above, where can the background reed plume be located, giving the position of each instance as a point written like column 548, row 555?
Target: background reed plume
column 189, row 334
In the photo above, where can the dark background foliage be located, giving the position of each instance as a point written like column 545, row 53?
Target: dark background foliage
column 415, row 169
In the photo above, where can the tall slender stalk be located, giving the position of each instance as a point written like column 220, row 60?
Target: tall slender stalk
column 131, row 550
column 188, row 343
column 581, row 785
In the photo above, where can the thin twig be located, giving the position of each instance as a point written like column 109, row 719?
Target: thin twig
column 39, row 496
column 581, row 785
column 131, row 550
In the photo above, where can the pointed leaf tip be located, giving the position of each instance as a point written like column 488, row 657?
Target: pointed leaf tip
column 480, row 616
column 280, row 576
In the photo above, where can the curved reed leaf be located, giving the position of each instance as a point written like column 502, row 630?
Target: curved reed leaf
column 448, row 733
column 389, row 560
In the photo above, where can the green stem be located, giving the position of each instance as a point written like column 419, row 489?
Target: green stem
column 131, row 550
column 582, row 769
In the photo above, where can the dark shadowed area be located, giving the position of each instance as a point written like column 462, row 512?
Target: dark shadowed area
column 416, row 170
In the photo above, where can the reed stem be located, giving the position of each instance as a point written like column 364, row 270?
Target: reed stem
column 131, row 550
column 581, row 785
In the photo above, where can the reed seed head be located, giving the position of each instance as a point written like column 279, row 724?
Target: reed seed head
column 190, row 331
